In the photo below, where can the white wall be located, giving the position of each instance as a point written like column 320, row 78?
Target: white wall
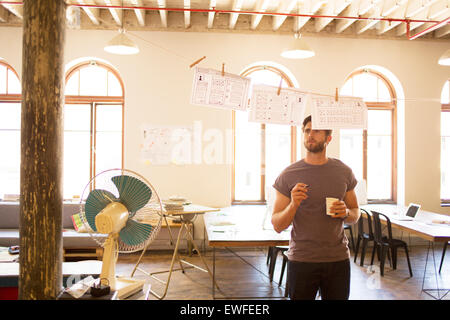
column 158, row 86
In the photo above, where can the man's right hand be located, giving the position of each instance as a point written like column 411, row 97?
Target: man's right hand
column 298, row 194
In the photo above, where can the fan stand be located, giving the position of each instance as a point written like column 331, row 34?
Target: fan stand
column 185, row 219
column 123, row 285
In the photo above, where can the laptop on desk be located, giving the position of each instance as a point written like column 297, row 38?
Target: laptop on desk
column 410, row 213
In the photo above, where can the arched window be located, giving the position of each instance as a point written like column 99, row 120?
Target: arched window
column 10, row 110
column 93, row 124
column 372, row 153
column 261, row 151
column 445, row 144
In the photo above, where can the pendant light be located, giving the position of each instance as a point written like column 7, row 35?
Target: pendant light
column 298, row 49
column 121, row 44
column 444, row 60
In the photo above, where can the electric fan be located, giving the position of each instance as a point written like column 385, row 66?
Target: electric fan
column 124, row 213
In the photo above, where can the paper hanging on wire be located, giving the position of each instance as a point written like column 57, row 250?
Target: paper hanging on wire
column 211, row 89
column 346, row 113
column 267, row 106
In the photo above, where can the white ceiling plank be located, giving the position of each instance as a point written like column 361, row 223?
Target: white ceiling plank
column 140, row 13
column 399, row 13
column 15, row 9
column 3, row 15
column 421, row 15
column 439, row 8
column 163, row 13
column 364, row 25
column 425, row 26
column 237, row 6
column 116, row 14
column 261, row 6
column 92, row 13
column 187, row 14
column 366, row 5
column 441, row 32
column 212, row 5
column 285, row 7
column 351, row 11
column 389, row 6
column 332, row 8
column 309, row 7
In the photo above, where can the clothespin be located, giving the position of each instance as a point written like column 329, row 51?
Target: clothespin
column 337, row 95
column 279, row 87
column 197, row 61
column 223, row 69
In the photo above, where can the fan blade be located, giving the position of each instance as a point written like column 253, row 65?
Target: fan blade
column 97, row 200
column 133, row 193
column 135, row 233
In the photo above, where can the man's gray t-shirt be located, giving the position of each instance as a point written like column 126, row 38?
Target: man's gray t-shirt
column 315, row 236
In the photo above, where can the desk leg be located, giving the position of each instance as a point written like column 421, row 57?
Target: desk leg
column 214, row 274
column 439, row 297
column 201, row 257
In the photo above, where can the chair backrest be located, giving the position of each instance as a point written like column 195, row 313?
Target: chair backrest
column 377, row 231
column 369, row 223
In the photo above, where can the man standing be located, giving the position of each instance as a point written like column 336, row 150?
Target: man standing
column 318, row 250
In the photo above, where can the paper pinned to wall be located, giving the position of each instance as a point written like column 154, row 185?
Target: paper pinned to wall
column 267, row 106
column 211, row 88
column 346, row 113
column 162, row 145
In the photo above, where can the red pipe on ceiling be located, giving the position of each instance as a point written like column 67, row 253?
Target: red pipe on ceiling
column 214, row 10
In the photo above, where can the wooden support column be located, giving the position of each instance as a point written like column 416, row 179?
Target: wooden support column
column 41, row 198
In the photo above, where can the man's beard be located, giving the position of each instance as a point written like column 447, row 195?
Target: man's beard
column 315, row 148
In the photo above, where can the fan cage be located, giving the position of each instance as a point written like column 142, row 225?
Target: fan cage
column 151, row 213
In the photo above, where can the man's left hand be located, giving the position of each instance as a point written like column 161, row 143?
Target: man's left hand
column 339, row 209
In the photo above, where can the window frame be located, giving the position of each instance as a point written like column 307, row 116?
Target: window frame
column 445, row 107
column 293, row 135
column 11, row 97
column 94, row 101
column 390, row 106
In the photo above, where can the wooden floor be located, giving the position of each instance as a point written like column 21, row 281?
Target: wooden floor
column 246, row 275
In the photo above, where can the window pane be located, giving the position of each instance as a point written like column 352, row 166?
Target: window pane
column 77, row 144
column 351, row 150
column 445, row 155
column 109, row 118
column 10, row 162
column 2, row 79
column 13, row 83
column 76, row 162
column 114, row 87
column 379, row 122
column 93, row 81
column 72, row 87
column 347, row 89
column 108, row 151
column 10, row 116
column 278, row 151
column 365, row 86
column 379, row 168
column 247, row 159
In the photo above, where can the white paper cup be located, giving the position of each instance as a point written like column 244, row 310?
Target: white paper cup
column 330, row 202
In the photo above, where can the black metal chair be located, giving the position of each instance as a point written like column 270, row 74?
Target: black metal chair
column 385, row 243
column 272, row 258
column 443, row 256
column 349, row 228
column 364, row 236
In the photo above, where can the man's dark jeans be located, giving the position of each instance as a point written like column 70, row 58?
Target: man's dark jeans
column 332, row 278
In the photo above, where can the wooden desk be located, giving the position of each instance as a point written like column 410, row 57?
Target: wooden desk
column 423, row 227
column 186, row 216
column 241, row 226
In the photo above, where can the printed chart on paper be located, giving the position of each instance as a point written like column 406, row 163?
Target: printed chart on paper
column 266, row 106
column 211, row 89
column 346, row 113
